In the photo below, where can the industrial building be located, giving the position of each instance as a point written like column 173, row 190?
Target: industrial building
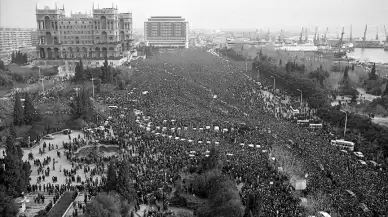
column 167, row 31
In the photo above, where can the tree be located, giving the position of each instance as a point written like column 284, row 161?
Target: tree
column 29, row 110
column 2, row 66
column 79, row 72
column 82, row 106
column 13, row 57
column 346, row 73
column 25, row 58
column 18, row 118
column 372, row 75
column 17, row 174
column 107, row 204
column 124, row 182
column 12, row 131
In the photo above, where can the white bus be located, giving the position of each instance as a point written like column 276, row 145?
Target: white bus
column 112, row 107
column 315, row 126
column 343, row 144
column 303, row 122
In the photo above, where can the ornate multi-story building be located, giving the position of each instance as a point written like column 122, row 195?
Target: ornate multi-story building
column 103, row 33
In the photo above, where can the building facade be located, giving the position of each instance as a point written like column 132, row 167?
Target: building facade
column 103, row 33
column 166, row 31
column 12, row 39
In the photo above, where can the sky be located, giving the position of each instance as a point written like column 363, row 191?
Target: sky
column 224, row 14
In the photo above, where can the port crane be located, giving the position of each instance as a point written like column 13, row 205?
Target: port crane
column 364, row 38
column 340, row 41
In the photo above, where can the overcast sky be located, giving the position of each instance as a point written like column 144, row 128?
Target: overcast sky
column 223, row 14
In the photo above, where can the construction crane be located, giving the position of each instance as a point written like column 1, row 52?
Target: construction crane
column 364, row 38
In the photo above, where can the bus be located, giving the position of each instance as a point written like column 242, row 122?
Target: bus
column 315, row 126
column 303, row 122
column 112, row 107
column 343, row 144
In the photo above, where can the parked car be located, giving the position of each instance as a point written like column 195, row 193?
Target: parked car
column 48, row 136
column 66, row 131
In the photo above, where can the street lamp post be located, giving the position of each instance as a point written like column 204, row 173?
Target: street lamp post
column 41, row 79
column 301, row 97
column 273, row 82
column 346, row 121
column 93, row 85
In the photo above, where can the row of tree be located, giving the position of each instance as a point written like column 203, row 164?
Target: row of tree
column 14, row 176
column 119, row 192
column 19, row 58
column 317, row 98
column 103, row 74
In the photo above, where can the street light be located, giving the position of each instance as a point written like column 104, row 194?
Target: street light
column 273, row 81
column 301, row 97
column 346, row 120
column 93, row 85
column 41, row 79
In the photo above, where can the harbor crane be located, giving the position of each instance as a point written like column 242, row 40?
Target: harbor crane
column 340, row 42
column 364, row 38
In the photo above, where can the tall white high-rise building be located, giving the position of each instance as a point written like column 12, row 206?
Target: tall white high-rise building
column 167, row 31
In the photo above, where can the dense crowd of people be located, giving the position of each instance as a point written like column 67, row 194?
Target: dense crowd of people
column 182, row 103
